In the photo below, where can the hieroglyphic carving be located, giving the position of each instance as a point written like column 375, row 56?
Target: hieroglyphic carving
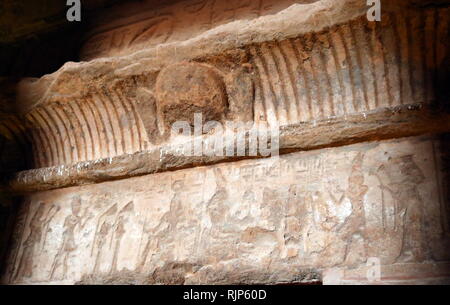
column 103, row 234
column 35, row 240
column 68, row 245
column 46, row 223
column 327, row 208
column 355, row 224
column 399, row 179
column 123, row 219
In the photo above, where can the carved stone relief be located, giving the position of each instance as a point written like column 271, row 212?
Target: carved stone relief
column 196, row 221
column 347, row 204
column 355, row 67
column 176, row 23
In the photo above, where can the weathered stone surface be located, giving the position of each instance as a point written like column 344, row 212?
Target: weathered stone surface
column 184, row 89
column 294, row 217
column 389, row 123
column 319, row 70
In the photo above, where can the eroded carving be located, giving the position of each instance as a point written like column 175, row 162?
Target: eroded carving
column 188, row 88
column 76, row 220
column 176, row 23
column 403, row 205
column 307, row 78
column 346, row 205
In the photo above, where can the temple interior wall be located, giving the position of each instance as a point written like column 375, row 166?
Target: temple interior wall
column 100, row 197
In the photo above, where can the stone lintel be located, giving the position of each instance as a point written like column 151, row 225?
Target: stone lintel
column 389, row 123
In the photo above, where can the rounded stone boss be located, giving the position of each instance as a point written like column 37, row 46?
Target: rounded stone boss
column 186, row 88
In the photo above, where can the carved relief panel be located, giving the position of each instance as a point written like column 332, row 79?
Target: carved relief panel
column 321, row 209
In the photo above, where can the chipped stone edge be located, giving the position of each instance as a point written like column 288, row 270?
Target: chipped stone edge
column 380, row 124
column 295, row 20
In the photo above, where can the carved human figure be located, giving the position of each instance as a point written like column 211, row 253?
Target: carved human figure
column 294, row 211
column 32, row 241
column 150, row 243
column 245, row 211
column 42, row 230
column 316, row 222
column 325, row 213
column 16, row 238
column 46, row 225
column 273, row 208
column 216, row 206
column 123, row 219
column 354, row 228
column 356, row 191
column 102, row 232
column 218, row 211
column 167, row 226
column 185, row 89
column 400, row 177
column 68, row 245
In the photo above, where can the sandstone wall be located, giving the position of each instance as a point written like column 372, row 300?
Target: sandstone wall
column 363, row 173
column 110, row 107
